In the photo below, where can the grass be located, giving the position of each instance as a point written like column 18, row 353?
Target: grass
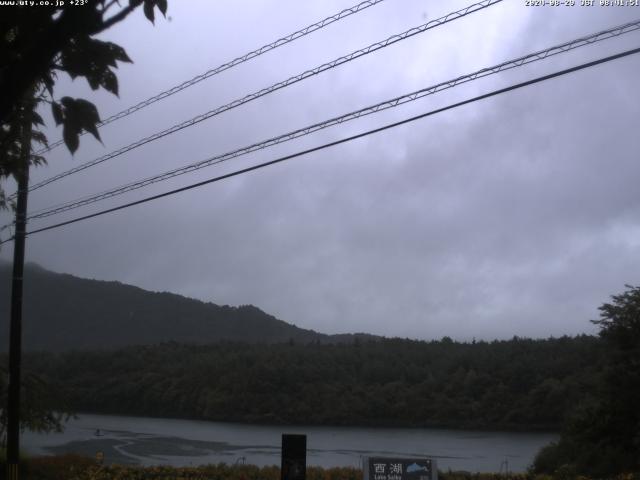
column 75, row 467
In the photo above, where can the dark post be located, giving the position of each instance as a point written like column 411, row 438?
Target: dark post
column 15, row 334
column 294, row 457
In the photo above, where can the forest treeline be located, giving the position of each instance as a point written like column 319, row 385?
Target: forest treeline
column 515, row 384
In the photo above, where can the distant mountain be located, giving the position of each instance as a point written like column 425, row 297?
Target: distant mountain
column 64, row 312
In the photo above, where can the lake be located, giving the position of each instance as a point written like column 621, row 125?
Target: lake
column 156, row 441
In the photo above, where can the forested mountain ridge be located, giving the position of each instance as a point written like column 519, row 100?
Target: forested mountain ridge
column 515, row 384
column 64, row 312
column 115, row 348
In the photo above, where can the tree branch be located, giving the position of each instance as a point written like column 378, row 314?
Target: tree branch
column 109, row 5
column 118, row 17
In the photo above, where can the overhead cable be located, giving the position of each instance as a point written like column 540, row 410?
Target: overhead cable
column 338, row 142
column 226, row 66
column 277, row 86
column 394, row 102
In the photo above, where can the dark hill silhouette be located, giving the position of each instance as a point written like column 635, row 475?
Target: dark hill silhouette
column 64, row 312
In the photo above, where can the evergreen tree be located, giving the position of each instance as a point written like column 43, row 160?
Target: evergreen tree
column 603, row 436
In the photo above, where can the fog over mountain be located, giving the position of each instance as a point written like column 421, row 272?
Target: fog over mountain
column 63, row 312
column 517, row 215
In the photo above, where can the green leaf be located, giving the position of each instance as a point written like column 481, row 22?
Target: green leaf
column 70, row 118
column 67, row 102
column 88, row 117
column 39, row 137
column 148, row 10
column 70, row 136
column 119, row 53
column 93, row 130
column 110, row 82
column 93, row 59
column 87, row 111
column 56, row 110
column 94, row 80
column 48, row 83
column 37, row 160
column 78, row 114
column 162, row 6
column 105, row 60
column 36, row 119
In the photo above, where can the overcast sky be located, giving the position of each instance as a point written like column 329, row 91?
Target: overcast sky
column 517, row 215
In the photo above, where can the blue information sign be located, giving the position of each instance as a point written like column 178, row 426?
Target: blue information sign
column 384, row 468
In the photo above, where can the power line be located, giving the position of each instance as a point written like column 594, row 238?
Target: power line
column 520, row 61
column 344, row 140
column 277, row 86
column 226, row 66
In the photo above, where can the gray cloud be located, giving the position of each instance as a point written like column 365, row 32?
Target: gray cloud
column 513, row 216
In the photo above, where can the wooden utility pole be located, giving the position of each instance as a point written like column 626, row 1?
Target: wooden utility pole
column 15, row 333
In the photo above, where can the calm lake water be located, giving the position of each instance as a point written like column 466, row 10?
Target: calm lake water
column 153, row 441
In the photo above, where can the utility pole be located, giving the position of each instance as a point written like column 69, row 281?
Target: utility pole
column 15, row 333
